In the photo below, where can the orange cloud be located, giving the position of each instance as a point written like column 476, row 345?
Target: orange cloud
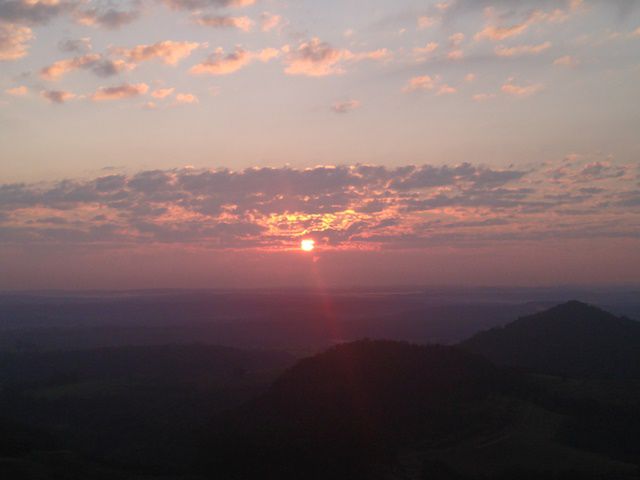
column 519, row 50
column 92, row 61
column 118, row 92
column 345, row 106
column 14, row 40
column 162, row 92
column 186, row 98
column 57, row 96
column 483, row 97
column 20, row 91
column 424, row 83
column 168, row 52
column 318, row 59
column 220, row 64
column 567, row 61
column 521, row 90
column 224, row 21
column 269, row 21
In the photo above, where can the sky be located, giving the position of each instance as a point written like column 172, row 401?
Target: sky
column 196, row 143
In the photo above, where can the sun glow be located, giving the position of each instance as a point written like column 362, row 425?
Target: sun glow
column 307, row 245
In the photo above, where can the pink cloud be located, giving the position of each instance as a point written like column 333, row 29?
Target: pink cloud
column 161, row 93
column 521, row 90
column 345, row 106
column 566, row 61
column 168, row 52
column 19, row 91
column 318, row 59
column 14, row 41
column 224, row 21
column 270, row 21
column 519, row 50
column 220, row 64
column 186, row 98
column 57, row 96
column 118, row 92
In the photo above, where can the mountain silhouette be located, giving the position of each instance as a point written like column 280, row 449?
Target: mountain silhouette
column 332, row 415
column 572, row 339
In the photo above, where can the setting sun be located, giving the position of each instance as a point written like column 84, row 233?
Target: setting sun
column 307, row 245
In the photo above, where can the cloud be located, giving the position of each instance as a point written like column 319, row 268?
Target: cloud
column 511, row 88
column 483, row 97
column 161, row 93
column 345, row 106
column 220, row 64
column 567, row 61
column 350, row 205
column 200, row 4
column 57, row 96
column 519, row 50
column 20, row 91
column 455, row 42
column 34, row 12
column 168, row 52
column 118, row 92
column 315, row 58
column 422, row 53
column 427, row 83
column 186, row 99
column 14, row 41
column 270, row 21
column 425, row 21
column 531, row 13
column 79, row 45
column 110, row 18
column 224, row 21
column 493, row 32
column 93, row 62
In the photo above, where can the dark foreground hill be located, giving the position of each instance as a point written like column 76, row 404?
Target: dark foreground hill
column 333, row 414
column 572, row 339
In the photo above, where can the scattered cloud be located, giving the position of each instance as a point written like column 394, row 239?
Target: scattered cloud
column 186, row 99
column 345, row 106
column 77, row 45
column 20, row 91
column 316, row 58
column 270, row 21
column 57, row 96
column 93, row 62
column 567, row 61
column 161, row 93
column 118, row 92
column 200, row 4
column 224, row 21
column 483, row 97
column 512, row 89
column 519, row 50
column 109, row 18
column 14, row 41
column 168, row 52
column 425, row 21
column 219, row 63
column 427, row 83
column 422, row 53
column 349, row 206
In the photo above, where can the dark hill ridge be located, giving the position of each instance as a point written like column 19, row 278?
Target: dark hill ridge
column 331, row 414
column 573, row 339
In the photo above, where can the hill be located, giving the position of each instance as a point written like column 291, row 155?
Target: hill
column 572, row 339
column 335, row 414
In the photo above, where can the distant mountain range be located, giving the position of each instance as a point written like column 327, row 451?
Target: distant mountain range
column 572, row 339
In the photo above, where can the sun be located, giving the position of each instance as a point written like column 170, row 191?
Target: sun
column 307, row 245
